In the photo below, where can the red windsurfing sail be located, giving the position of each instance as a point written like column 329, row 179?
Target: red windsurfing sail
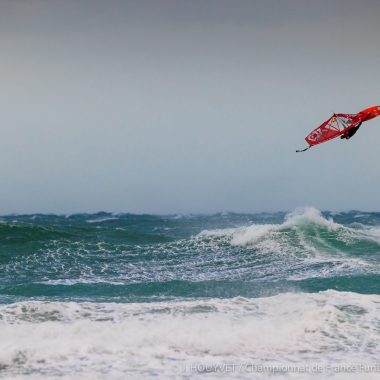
column 340, row 124
column 370, row 113
column 337, row 125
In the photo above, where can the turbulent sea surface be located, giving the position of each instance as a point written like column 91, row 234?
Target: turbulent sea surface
column 250, row 296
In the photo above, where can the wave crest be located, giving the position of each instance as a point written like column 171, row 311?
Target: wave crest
column 305, row 224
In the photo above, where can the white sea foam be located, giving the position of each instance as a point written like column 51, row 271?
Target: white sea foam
column 169, row 339
column 360, row 215
column 92, row 280
column 103, row 219
column 373, row 231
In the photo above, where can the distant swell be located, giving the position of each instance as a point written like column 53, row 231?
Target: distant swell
column 136, row 257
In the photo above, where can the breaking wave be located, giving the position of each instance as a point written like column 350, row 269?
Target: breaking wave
column 306, row 224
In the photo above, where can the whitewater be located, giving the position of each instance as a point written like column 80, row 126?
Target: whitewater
column 270, row 295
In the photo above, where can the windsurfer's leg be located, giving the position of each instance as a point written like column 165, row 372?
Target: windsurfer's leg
column 352, row 131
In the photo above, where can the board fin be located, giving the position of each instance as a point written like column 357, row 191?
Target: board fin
column 303, row 150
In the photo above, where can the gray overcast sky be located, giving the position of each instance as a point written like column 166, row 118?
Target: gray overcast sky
column 186, row 106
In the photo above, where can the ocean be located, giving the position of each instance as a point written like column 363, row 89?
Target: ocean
column 233, row 296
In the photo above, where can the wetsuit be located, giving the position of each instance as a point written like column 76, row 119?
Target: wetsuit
column 351, row 132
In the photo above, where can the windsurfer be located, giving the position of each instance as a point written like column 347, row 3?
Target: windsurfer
column 343, row 125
